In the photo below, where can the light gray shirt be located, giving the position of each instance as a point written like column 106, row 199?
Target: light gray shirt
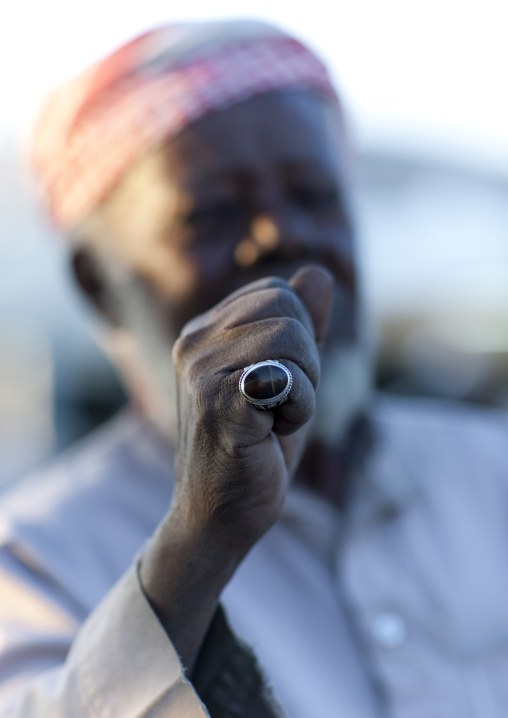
column 398, row 609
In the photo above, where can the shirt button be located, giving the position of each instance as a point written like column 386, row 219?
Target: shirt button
column 388, row 629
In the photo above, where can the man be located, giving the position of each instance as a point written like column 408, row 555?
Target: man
column 201, row 174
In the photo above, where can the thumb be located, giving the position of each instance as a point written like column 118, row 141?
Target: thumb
column 314, row 286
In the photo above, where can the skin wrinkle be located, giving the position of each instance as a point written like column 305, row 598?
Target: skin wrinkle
column 286, row 306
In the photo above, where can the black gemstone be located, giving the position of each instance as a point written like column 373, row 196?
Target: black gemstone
column 265, row 382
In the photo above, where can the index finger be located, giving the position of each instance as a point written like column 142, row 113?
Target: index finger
column 265, row 298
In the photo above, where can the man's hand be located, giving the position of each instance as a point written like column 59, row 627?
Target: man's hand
column 234, row 462
column 233, row 467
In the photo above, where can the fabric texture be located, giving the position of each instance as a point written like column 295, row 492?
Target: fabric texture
column 92, row 129
column 396, row 609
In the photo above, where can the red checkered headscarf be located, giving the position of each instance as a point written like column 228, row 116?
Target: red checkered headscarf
column 91, row 130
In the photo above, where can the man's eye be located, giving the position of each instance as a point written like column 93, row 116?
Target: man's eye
column 219, row 212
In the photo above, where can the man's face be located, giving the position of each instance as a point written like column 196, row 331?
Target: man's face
column 258, row 189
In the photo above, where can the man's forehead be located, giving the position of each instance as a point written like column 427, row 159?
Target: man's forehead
column 294, row 133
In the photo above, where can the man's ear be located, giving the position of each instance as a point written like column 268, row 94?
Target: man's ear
column 92, row 280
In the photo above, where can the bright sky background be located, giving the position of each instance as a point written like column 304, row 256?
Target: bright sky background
column 428, row 74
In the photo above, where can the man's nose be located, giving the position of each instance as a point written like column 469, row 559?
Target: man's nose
column 279, row 232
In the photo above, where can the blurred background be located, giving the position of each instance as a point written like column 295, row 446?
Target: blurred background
column 424, row 84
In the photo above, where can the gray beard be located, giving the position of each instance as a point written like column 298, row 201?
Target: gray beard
column 150, row 366
column 344, row 391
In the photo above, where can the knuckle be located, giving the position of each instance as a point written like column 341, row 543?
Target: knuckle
column 190, row 343
column 181, row 349
column 277, row 301
column 266, row 283
column 286, row 302
column 186, row 361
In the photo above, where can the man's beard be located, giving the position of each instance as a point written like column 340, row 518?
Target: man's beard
column 344, row 391
column 142, row 352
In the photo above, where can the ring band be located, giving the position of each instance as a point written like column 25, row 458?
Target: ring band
column 266, row 384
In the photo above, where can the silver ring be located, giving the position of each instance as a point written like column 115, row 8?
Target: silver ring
column 266, row 384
